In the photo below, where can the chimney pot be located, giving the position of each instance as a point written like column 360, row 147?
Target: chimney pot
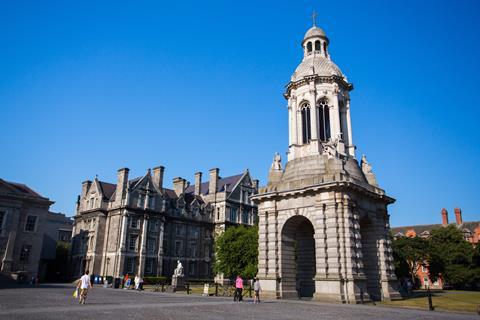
column 458, row 216
column 158, row 177
column 198, row 183
column 444, row 217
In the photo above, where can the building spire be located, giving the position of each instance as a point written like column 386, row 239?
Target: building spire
column 314, row 18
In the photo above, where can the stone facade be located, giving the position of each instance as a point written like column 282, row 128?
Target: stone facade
column 23, row 217
column 323, row 220
column 137, row 226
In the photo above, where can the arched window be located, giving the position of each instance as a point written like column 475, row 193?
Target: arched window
column 324, row 120
column 317, row 45
column 325, row 48
column 341, row 116
column 309, row 47
column 306, row 128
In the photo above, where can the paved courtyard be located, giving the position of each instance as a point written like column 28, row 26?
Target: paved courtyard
column 56, row 302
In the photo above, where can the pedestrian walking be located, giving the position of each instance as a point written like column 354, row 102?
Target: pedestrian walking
column 84, row 285
column 256, row 288
column 126, row 282
column 238, row 289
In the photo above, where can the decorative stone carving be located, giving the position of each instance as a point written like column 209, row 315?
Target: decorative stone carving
column 368, row 171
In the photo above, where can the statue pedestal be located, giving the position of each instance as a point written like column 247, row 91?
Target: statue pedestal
column 178, row 282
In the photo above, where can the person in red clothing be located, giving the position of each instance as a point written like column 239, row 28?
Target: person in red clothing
column 238, row 289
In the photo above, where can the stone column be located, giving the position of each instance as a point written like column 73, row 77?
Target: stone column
column 123, row 245
column 104, row 269
column 160, row 246
column 313, row 112
column 351, row 147
column 290, row 122
column 320, row 243
column 262, row 244
column 336, row 115
column 389, row 283
column 294, row 106
column 143, row 246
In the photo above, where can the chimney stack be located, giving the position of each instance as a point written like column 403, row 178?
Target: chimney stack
column 122, row 181
column 458, row 216
column 255, row 185
column 444, row 217
column 198, row 183
column 179, row 185
column 212, row 186
column 158, row 177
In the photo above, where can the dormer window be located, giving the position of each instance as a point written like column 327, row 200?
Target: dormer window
column 141, row 200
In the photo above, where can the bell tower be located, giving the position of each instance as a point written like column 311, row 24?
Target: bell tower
column 323, row 219
column 318, row 103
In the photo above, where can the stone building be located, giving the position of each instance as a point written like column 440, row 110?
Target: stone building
column 138, row 226
column 23, row 216
column 323, row 219
column 471, row 234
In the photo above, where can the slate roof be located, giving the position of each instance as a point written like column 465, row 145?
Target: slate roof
column 23, row 188
column 107, row 189
column 229, row 182
column 470, row 225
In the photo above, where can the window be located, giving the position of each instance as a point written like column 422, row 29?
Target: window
column 30, row 223
column 151, row 202
column 207, row 251
column 130, row 264
column 134, row 222
column 132, row 242
column 151, row 244
column 141, row 200
column 25, row 253
column 324, row 120
column 245, row 217
column 317, row 45
column 191, row 269
column 64, row 235
column 149, row 263
column 178, row 248
column 180, row 230
column 194, row 232
column 90, row 246
column 153, row 225
column 425, row 281
column 3, row 216
column 309, row 47
column 193, row 249
column 306, row 129
column 233, row 214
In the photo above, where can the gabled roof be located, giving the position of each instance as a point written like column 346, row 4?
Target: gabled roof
column 229, row 182
column 107, row 189
column 470, row 225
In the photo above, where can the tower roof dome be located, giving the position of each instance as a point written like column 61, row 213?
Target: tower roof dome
column 314, row 32
column 317, row 65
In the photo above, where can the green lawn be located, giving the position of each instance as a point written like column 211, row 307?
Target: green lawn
column 451, row 300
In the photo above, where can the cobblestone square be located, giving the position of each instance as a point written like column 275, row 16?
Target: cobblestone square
column 56, row 302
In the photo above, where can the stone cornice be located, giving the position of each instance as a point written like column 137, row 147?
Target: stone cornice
column 321, row 79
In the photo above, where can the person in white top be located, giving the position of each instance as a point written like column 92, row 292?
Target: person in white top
column 84, row 284
column 256, row 288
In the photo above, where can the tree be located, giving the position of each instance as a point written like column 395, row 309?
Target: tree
column 410, row 254
column 455, row 259
column 236, row 252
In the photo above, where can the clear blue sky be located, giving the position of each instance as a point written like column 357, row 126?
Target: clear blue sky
column 87, row 88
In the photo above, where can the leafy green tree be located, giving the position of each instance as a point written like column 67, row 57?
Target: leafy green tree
column 409, row 254
column 236, row 252
column 455, row 259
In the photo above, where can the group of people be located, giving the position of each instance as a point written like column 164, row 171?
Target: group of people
column 238, row 296
column 84, row 284
column 137, row 282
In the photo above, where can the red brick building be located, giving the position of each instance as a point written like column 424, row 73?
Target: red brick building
column 470, row 230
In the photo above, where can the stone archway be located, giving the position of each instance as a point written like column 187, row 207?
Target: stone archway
column 370, row 258
column 297, row 258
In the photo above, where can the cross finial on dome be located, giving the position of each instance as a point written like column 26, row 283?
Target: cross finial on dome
column 314, row 18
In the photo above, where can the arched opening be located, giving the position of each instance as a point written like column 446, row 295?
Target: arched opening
column 298, row 258
column 343, row 122
column 306, row 126
column 309, row 47
column 317, row 45
column 371, row 266
column 324, row 120
column 325, row 49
